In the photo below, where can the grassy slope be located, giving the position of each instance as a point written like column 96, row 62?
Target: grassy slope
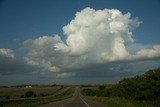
column 39, row 101
column 119, row 102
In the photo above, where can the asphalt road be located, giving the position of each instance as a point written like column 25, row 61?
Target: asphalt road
column 76, row 101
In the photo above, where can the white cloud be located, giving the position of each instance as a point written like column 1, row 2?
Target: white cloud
column 92, row 29
column 10, row 64
column 153, row 52
column 64, row 75
column 7, row 53
column 93, row 37
column 42, row 52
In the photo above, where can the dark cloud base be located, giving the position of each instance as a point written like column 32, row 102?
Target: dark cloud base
column 100, row 74
column 10, row 66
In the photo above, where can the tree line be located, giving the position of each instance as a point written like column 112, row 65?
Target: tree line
column 143, row 87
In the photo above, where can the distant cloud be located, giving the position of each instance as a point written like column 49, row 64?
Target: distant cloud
column 7, row 53
column 149, row 53
column 65, row 75
column 9, row 64
column 94, row 37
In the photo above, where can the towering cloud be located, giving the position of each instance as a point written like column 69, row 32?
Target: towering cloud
column 106, row 29
column 93, row 37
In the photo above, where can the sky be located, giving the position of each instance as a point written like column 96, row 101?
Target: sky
column 77, row 41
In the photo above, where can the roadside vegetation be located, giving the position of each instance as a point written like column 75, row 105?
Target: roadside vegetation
column 138, row 91
column 30, row 99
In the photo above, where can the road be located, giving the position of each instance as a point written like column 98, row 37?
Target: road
column 75, row 101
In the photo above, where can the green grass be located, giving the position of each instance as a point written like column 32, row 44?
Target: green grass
column 120, row 102
column 39, row 101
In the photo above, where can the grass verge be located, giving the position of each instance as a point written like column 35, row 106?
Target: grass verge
column 39, row 101
column 120, row 102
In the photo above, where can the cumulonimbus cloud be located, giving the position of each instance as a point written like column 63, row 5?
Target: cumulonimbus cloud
column 93, row 37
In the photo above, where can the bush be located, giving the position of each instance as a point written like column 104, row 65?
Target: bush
column 42, row 94
column 34, row 95
column 8, row 97
column 54, row 85
column 89, row 92
column 5, row 86
column 102, row 87
column 22, row 96
column 29, row 94
column 62, row 86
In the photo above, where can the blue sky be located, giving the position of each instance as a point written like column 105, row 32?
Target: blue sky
column 22, row 20
column 25, row 19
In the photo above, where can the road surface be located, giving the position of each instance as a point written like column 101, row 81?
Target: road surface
column 76, row 101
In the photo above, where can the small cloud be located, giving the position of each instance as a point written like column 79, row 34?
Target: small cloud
column 9, row 64
column 149, row 53
column 65, row 75
column 7, row 53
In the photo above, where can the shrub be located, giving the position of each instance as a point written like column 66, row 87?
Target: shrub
column 8, row 97
column 102, row 87
column 42, row 94
column 89, row 92
column 29, row 93
column 22, row 96
column 34, row 95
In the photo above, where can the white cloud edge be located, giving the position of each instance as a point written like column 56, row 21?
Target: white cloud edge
column 7, row 53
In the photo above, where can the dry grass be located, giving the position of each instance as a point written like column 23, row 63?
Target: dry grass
column 65, row 93
column 16, row 93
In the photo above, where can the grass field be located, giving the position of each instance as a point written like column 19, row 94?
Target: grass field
column 57, row 94
column 120, row 102
column 19, row 92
